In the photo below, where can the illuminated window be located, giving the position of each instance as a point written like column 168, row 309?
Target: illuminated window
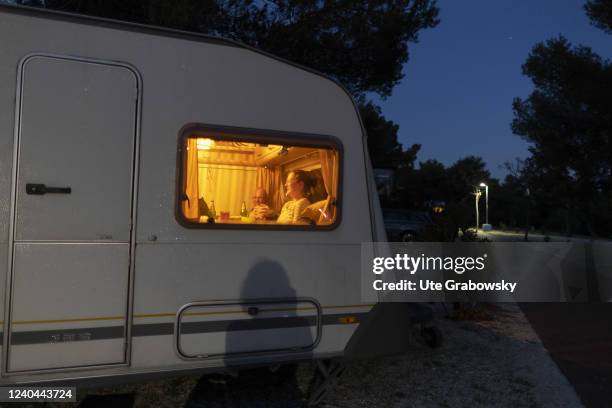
column 240, row 179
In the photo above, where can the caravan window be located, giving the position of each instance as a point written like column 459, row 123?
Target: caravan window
column 255, row 179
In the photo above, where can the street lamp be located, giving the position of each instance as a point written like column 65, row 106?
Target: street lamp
column 486, row 202
column 477, row 193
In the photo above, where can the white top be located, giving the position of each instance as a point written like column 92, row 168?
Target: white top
column 292, row 210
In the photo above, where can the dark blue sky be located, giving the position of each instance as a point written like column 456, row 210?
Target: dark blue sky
column 456, row 97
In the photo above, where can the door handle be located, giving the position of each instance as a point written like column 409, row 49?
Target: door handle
column 40, row 189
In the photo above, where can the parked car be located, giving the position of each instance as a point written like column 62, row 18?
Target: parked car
column 407, row 225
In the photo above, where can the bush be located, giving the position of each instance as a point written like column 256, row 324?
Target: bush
column 471, row 235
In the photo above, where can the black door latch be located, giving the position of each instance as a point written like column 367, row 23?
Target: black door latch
column 40, row 189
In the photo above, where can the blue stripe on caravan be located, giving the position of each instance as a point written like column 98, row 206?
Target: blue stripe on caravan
column 160, row 329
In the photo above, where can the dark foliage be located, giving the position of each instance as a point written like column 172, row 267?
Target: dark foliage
column 567, row 120
column 432, row 182
column 385, row 150
column 361, row 43
column 600, row 13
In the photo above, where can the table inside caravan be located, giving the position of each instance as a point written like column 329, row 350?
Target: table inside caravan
column 234, row 220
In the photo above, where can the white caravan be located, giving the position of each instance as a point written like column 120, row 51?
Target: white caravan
column 132, row 159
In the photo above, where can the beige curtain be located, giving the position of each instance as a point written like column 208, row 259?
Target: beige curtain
column 278, row 186
column 329, row 171
column 271, row 181
column 190, row 199
column 264, row 179
column 227, row 186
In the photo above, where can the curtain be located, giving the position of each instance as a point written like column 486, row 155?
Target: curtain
column 264, row 180
column 190, row 198
column 329, row 172
column 278, row 187
column 271, row 181
column 227, row 186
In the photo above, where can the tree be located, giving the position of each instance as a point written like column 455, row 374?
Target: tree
column 567, row 120
column 385, row 150
column 31, row 3
column 433, row 182
column 510, row 199
column 464, row 175
column 361, row 43
column 600, row 13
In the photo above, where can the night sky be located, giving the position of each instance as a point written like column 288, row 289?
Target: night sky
column 456, row 96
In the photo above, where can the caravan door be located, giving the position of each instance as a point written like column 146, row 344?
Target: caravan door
column 71, row 231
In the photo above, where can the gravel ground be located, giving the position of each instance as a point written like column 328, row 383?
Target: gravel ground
column 490, row 357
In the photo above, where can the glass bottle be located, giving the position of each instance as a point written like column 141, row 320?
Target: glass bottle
column 243, row 210
column 212, row 211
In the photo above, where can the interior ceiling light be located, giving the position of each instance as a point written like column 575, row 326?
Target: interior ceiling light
column 205, row 144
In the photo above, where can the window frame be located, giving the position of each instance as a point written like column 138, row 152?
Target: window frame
column 261, row 136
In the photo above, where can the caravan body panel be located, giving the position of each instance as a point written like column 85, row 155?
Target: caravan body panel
column 75, row 133
column 185, row 80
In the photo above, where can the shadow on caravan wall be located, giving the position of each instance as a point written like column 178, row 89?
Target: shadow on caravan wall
column 293, row 330
column 268, row 319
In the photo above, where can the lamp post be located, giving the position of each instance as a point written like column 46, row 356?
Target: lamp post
column 486, row 202
column 477, row 193
column 528, row 221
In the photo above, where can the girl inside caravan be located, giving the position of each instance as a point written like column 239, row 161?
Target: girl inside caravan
column 299, row 188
